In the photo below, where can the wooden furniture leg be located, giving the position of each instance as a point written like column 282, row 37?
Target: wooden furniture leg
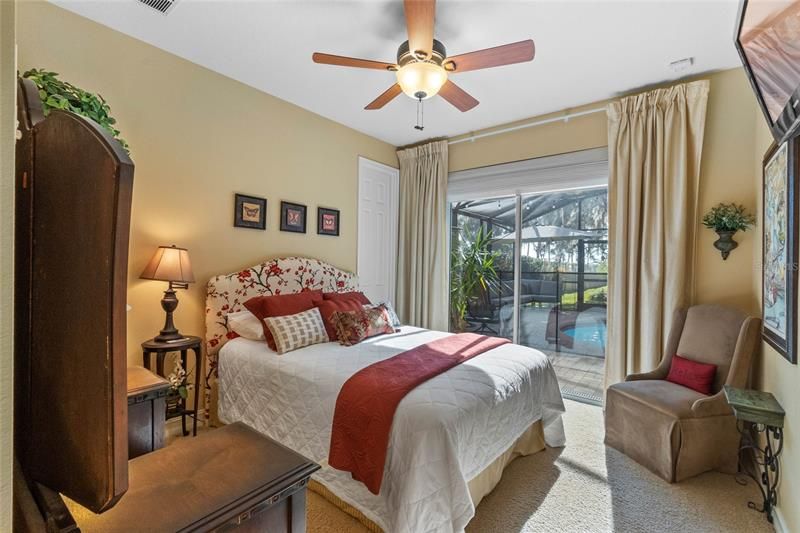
column 198, row 362
column 184, row 400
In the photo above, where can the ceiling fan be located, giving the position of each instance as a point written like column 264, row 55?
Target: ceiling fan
column 423, row 66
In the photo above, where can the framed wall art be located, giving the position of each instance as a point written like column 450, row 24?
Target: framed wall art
column 249, row 212
column 293, row 217
column 327, row 221
column 779, row 238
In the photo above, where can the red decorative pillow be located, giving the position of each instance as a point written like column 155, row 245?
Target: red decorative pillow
column 280, row 305
column 328, row 307
column 353, row 327
column 353, row 295
column 692, row 374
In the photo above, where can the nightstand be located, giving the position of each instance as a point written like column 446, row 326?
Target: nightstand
column 147, row 395
column 161, row 349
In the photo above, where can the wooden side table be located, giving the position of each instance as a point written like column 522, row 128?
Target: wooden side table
column 161, row 349
column 759, row 412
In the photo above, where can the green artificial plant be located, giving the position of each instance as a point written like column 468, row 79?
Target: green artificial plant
column 59, row 94
column 728, row 217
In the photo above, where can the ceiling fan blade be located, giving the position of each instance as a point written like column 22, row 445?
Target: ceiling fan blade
column 457, row 96
column 387, row 96
column 420, row 16
column 492, row 57
column 342, row 61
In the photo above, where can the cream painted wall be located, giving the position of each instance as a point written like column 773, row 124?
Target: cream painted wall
column 725, row 173
column 7, row 128
column 726, row 177
column 580, row 133
column 777, row 375
column 197, row 137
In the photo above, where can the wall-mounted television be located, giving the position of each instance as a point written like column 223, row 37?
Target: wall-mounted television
column 768, row 40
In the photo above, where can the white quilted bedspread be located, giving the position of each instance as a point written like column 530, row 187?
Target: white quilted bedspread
column 445, row 432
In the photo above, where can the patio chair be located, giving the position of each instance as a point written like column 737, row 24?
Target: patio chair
column 483, row 315
column 675, row 431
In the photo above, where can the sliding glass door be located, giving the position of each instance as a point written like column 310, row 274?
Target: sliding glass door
column 543, row 286
column 482, row 266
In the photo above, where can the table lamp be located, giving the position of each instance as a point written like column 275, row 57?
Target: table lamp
column 170, row 264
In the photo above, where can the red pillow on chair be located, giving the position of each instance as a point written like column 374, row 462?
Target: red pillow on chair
column 352, row 295
column 692, row 374
column 280, row 305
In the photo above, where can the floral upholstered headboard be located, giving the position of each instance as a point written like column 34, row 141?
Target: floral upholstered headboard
column 227, row 294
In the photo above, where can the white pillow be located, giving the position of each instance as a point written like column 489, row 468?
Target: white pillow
column 297, row 331
column 246, row 324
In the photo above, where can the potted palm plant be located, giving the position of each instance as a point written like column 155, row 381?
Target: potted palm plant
column 726, row 220
column 472, row 275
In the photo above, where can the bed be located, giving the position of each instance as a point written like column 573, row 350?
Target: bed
column 451, row 436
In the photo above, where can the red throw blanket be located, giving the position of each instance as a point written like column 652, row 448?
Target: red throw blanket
column 368, row 400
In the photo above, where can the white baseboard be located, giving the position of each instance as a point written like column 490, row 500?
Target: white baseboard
column 777, row 521
column 173, row 429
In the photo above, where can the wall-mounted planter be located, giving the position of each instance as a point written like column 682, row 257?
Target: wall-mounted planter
column 725, row 244
column 726, row 220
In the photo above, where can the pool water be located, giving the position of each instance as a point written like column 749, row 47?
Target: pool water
column 591, row 333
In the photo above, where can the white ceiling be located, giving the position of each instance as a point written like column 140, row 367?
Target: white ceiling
column 585, row 51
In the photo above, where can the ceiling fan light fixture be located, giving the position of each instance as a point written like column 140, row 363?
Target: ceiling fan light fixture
column 421, row 79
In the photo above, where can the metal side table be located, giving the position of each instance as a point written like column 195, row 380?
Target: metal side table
column 759, row 413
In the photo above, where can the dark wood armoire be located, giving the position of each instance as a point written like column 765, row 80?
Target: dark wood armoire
column 73, row 202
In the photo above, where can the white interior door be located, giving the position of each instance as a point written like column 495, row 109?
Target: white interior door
column 378, row 189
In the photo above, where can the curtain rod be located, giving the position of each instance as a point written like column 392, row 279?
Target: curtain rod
column 563, row 118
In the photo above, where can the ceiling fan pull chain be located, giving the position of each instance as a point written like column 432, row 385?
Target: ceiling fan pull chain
column 420, row 115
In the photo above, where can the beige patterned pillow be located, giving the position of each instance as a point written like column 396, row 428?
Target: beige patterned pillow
column 353, row 327
column 296, row 331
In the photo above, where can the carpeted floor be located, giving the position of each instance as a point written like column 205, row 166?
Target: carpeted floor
column 587, row 487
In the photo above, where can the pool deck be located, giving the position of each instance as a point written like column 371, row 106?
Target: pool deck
column 580, row 368
column 580, row 377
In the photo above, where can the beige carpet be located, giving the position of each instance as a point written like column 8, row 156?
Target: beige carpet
column 586, row 487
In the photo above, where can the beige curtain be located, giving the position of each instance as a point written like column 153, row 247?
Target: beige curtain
column 422, row 255
column 654, row 144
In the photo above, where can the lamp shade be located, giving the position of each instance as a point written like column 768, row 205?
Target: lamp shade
column 169, row 263
column 421, row 79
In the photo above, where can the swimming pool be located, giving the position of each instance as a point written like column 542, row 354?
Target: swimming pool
column 593, row 333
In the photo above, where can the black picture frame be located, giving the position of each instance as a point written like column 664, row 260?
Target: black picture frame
column 293, row 217
column 779, row 260
column 243, row 217
column 322, row 218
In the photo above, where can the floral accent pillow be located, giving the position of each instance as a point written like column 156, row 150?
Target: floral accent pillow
column 297, row 331
column 393, row 318
column 353, row 327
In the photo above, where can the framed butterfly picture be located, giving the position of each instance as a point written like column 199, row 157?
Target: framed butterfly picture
column 328, row 221
column 293, row 217
column 250, row 212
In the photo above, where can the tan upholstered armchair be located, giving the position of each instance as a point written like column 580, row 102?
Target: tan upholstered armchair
column 675, row 431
